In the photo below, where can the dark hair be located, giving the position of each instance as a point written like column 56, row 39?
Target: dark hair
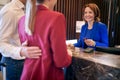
column 95, row 9
column 40, row 1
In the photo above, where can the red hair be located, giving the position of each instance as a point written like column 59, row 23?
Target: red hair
column 95, row 9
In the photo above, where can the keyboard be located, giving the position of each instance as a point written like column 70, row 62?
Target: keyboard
column 111, row 50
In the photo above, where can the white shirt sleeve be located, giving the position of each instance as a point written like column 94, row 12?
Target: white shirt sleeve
column 9, row 39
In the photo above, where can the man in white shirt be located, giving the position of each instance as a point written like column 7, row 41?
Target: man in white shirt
column 10, row 47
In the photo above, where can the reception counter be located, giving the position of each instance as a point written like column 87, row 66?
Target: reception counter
column 93, row 66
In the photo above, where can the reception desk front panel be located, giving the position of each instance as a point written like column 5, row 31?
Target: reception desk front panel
column 93, row 66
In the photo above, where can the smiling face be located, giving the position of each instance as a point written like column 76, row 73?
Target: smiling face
column 88, row 15
column 91, row 12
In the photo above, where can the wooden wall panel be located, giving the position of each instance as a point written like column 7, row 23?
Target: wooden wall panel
column 114, row 30
column 70, row 10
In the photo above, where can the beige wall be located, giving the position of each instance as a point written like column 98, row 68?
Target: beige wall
column 3, row 2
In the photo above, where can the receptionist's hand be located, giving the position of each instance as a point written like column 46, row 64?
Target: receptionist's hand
column 89, row 42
